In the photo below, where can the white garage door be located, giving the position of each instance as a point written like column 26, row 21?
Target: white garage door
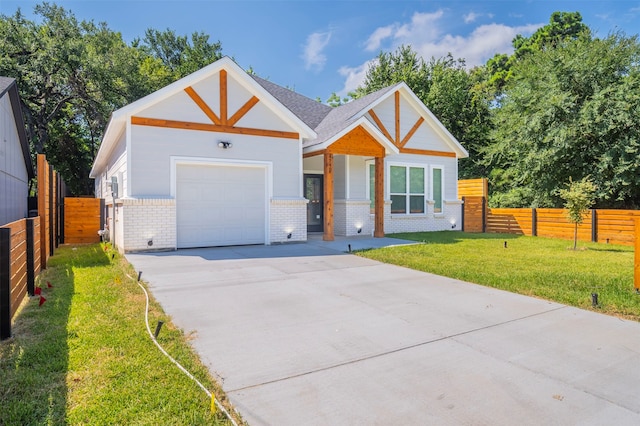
column 220, row 205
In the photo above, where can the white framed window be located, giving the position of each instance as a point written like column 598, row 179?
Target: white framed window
column 437, row 188
column 407, row 185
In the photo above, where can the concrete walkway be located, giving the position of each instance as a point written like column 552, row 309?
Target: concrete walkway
column 304, row 334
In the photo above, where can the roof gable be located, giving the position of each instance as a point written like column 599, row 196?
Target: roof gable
column 413, row 125
column 8, row 86
column 199, row 113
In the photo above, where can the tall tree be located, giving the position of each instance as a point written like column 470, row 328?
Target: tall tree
column 562, row 26
column 570, row 111
column 72, row 74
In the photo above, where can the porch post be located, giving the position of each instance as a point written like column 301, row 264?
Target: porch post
column 378, row 230
column 328, row 197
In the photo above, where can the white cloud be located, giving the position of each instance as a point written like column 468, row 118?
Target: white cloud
column 354, row 76
column 477, row 47
column 470, row 17
column 375, row 39
column 425, row 34
column 473, row 16
column 313, row 51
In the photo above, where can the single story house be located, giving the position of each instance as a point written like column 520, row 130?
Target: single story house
column 16, row 168
column 222, row 157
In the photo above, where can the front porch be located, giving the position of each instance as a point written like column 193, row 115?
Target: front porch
column 343, row 214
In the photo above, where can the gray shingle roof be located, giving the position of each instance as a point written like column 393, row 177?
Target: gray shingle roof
column 341, row 117
column 325, row 120
column 311, row 112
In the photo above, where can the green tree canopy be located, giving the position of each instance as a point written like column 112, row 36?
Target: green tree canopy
column 562, row 26
column 570, row 111
column 72, row 74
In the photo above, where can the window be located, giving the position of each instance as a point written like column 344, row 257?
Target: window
column 407, row 189
column 436, row 181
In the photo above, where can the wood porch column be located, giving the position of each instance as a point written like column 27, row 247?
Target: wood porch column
column 378, row 230
column 328, row 197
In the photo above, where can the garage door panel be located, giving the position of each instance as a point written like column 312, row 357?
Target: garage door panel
column 220, row 205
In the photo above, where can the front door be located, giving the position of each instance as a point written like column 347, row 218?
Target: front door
column 313, row 191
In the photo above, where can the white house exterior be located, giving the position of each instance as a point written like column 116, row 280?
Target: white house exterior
column 16, row 168
column 221, row 157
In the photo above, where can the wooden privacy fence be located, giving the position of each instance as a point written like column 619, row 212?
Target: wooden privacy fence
column 82, row 220
column 51, row 190
column 20, row 255
column 474, row 214
column 602, row 226
column 599, row 225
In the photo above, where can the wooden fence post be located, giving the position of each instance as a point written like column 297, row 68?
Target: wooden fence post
column 5, row 283
column 636, row 262
column 484, row 215
column 534, row 222
column 31, row 265
column 51, row 212
column 594, row 225
column 462, row 215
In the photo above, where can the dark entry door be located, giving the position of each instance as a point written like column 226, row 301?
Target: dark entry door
column 313, row 191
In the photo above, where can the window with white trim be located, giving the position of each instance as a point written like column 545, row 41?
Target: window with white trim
column 407, row 189
column 437, row 188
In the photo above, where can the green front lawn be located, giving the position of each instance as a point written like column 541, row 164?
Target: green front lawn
column 85, row 357
column 534, row 266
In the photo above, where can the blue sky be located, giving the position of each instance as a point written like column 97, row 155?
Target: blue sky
column 320, row 47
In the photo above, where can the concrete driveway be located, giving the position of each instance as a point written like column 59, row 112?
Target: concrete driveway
column 304, row 334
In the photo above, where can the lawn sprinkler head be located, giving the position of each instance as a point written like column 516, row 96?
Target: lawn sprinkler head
column 594, row 300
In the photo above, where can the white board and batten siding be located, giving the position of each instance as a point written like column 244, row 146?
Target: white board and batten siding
column 14, row 178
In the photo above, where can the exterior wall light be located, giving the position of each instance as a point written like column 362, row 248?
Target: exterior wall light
column 225, row 144
column 453, row 223
column 289, row 236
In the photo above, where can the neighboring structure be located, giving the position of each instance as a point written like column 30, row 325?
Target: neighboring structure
column 16, row 168
column 222, row 157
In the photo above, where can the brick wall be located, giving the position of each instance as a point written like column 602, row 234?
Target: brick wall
column 349, row 215
column 147, row 220
column 288, row 216
column 424, row 223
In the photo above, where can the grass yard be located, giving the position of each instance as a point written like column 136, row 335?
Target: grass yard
column 534, row 266
column 85, row 357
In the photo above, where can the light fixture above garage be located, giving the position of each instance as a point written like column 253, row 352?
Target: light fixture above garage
column 225, row 144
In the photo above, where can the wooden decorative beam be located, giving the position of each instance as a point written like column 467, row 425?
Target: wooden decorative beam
column 380, row 125
column 427, row 152
column 203, row 105
column 397, row 139
column 172, row 124
column 328, row 197
column 223, row 96
column 242, row 111
column 357, row 142
column 411, row 132
column 313, row 154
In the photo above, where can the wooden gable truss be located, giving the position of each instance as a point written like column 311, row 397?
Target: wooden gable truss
column 222, row 123
column 396, row 139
